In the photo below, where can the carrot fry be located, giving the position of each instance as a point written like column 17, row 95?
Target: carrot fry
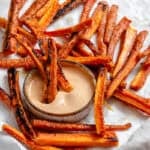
column 128, row 67
column 99, row 100
column 75, row 53
column 21, row 138
column 43, row 125
column 96, row 19
column 4, row 97
column 101, row 31
column 119, row 29
column 140, row 78
column 9, row 43
column 86, row 10
column 66, row 7
column 31, row 11
column 126, row 48
column 111, row 22
column 63, row 83
column 70, row 30
column 35, row 59
column 77, row 139
column 52, row 72
column 134, row 100
column 21, row 116
column 67, row 47
column 3, row 22
column 93, row 61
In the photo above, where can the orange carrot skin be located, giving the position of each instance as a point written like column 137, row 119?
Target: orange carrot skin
column 118, row 30
column 111, row 22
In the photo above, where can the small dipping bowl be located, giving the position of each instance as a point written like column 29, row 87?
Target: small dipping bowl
column 67, row 107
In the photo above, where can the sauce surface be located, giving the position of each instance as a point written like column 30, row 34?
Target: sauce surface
column 64, row 103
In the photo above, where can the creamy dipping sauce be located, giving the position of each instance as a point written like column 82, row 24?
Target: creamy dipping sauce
column 83, row 84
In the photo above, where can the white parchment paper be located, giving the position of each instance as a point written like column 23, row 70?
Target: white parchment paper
column 136, row 138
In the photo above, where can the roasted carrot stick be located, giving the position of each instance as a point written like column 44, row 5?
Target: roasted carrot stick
column 33, row 56
column 70, row 30
column 3, row 22
column 86, row 10
column 44, row 125
column 93, row 61
column 119, row 29
column 9, row 43
column 63, row 83
column 140, row 78
column 101, row 31
column 52, row 72
column 128, row 67
column 134, row 100
column 77, row 139
column 99, row 100
column 128, row 43
column 96, row 19
column 111, row 22
column 4, row 97
column 75, row 53
column 21, row 138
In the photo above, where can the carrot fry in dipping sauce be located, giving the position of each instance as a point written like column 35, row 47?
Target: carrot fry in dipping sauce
column 134, row 100
column 63, row 83
column 140, row 78
column 52, row 72
column 101, row 31
column 4, row 97
column 111, row 22
column 99, row 100
column 21, row 138
column 128, row 67
column 126, row 48
column 119, row 29
column 93, row 61
column 44, row 125
column 9, row 43
column 33, row 56
column 86, row 10
column 77, row 139
column 70, row 30
column 31, row 11
column 3, row 22
column 96, row 18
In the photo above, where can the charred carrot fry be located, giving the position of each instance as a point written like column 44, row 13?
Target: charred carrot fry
column 9, row 42
column 77, row 139
column 3, row 22
column 63, row 83
column 111, row 22
column 21, row 138
column 86, row 10
column 52, row 72
column 93, row 61
column 96, row 19
column 33, row 56
column 119, row 29
column 101, row 31
column 67, row 47
column 126, row 48
column 140, row 78
column 66, row 7
column 70, row 30
column 128, row 67
column 5, row 98
column 44, row 125
column 99, row 101
column 31, row 11
column 134, row 100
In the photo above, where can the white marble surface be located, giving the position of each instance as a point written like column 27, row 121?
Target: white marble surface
column 138, row 136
